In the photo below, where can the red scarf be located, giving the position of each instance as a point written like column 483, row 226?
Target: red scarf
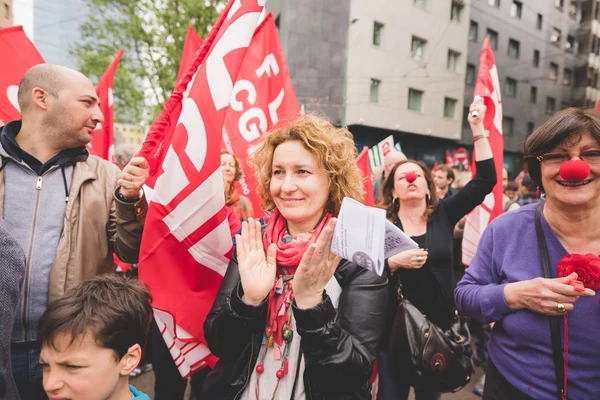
column 289, row 256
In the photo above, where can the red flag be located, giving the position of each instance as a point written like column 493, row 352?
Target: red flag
column 18, row 55
column 193, row 43
column 363, row 164
column 435, row 165
column 449, row 160
column 263, row 96
column 187, row 242
column 598, row 106
column 488, row 87
column 104, row 134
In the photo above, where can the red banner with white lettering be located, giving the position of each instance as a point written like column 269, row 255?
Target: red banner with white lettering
column 263, row 96
column 186, row 243
column 362, row 161
column 488, row 87
column 191, row 46
column 104, row 135
column 18, row 55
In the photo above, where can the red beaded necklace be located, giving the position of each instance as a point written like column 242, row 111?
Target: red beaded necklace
column 283, row 287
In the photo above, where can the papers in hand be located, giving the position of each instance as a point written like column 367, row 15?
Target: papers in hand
column 363, row 235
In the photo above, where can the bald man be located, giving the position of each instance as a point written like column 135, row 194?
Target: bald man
column 392, row 158
column 67, row 210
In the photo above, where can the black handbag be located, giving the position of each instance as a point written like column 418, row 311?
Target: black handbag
column 423, row 355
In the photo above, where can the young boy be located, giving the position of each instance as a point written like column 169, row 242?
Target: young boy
column 92, row 338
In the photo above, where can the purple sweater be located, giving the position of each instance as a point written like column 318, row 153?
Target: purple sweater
column 520, row 346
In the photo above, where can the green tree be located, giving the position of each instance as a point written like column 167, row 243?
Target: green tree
column 152, row 33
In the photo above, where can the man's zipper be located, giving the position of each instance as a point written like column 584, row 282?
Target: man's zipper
column 38, row 187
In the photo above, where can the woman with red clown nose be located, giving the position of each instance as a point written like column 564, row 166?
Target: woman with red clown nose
column 426, row 273
column 537, row 269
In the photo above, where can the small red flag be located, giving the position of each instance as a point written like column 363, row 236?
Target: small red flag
column 104, row 134
column 193, row 43
column 598, row 106
column 18, row 55
column 363, row 164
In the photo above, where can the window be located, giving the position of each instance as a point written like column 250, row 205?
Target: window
column 470, row 77
column 553, row 72
column 418, row 48
column 455, row 10
column 540, row 21
column 420, row 3
column 516, row 9
column 567, row 77
column 550, row 105
column 513, row 48
column 530, row 127
column 449, row 107
column 570, row 43
column 6, row 11
column 377, row 29
column 452, row 62
column 465, row 120
column 415, row 100
column 510, row 86
column 559, row 3
column 536, row 58
column 473, row 31
column 494, row 3
column 493, row 35
column 555, row 37
column 533, row 95
column 508, row 126
column 374, row 93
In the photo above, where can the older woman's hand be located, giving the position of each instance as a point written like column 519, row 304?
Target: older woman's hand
column 257, row 272
column 543, row 295
column 409, row 259
column 316, row 269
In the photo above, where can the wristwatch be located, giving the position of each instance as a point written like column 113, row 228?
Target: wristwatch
column 123, row 199
column 484, row 135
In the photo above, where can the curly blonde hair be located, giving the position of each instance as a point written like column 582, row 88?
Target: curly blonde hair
column 332, row 147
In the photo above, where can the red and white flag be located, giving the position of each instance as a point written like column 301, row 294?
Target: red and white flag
column 186, row 243
column 488, row 87
column 449, row 160
column 263, row 96
column 363, row 164
column 18, row 55
column 191, row 46
column 104, row 134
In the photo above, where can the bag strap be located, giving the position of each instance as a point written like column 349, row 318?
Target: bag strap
column 557, row 349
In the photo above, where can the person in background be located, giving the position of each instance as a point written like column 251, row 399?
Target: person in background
column 123, row 153
column 391, row 159
column 232, row 172
column 92, row 338
column 70, row 210
column 504, row 283
column 297, row 322
column 443, row 176
column 527, row 191
column 512, row 191
column 426, row 273
column 12, row 273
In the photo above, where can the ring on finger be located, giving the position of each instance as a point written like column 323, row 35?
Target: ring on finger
column 419, row 258
column 560, row 307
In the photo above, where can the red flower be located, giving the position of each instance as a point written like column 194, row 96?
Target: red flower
column 586, row 266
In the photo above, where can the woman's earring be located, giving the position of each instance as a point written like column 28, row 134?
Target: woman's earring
column 427, row 198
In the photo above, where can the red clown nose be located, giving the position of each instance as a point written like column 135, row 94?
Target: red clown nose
column 411, row 176
column 574, row 170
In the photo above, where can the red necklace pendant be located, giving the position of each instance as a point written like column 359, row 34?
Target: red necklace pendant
column 280, row 374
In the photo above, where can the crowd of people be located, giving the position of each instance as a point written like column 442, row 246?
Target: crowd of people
column 292, row 320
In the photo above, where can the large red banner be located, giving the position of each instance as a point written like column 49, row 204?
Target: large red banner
column 193, row 43
column 488, row 87
column 363, row 164
column 104, row 134
column 187, row 242
column 18, row 55
column 263, row 96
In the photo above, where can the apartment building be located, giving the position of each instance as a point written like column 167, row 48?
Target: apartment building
column 6, row 13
